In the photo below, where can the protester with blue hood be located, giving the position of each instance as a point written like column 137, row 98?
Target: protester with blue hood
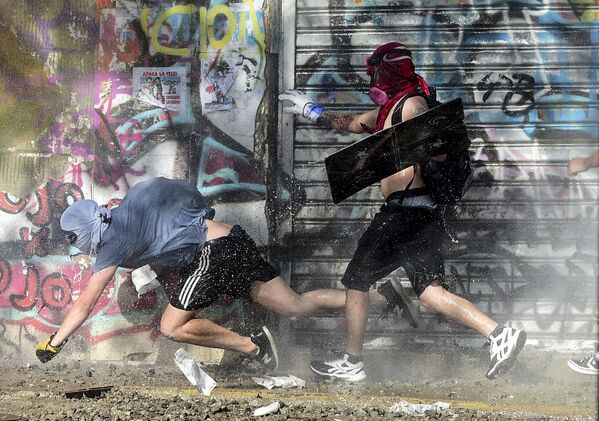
column 168, row 225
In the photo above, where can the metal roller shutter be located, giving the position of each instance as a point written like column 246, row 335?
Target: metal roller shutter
column 527, row 73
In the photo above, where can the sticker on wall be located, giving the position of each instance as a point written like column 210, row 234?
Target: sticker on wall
column 218, row 77
column 160, row 87
column 119, row 45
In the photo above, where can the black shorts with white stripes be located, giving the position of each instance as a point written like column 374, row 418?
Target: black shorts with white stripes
column 223, row 266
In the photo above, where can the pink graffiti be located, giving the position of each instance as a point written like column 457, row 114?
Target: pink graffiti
column 51, row 199
column 48, row 290
column 9, row 206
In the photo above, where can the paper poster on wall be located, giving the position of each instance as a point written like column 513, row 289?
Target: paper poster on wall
column 218, row 76
column 161, row 87
column 119, row 46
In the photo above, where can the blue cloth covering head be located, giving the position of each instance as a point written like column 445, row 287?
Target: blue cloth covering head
column 84, row 222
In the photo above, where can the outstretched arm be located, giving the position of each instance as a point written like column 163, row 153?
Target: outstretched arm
column 302, row 105
column 84, row 305
column 77, row 314
column 348, row 122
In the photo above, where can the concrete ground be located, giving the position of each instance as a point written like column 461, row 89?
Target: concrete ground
column 539, row 386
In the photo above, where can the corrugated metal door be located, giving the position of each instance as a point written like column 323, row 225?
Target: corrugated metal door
column 527, row 73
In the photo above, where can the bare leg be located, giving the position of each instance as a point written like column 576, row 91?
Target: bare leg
column 216, row 229
column 438, row 299
column 277, row 296
column 181, row 326
column 356, row 316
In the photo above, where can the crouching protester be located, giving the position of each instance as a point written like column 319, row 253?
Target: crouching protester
column 168, row 225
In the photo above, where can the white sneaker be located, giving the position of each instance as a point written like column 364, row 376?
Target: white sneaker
column 340, row 368
column 505, row 347
column 585, row 365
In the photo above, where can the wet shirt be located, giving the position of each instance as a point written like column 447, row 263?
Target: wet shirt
column 160, row 221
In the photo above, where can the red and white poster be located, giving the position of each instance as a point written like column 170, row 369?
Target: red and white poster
column 218, row 77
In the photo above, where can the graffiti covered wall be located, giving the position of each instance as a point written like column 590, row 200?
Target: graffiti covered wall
column 97, row 96
column 525, row 237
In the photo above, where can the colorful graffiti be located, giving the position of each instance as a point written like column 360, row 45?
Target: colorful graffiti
column 523, row 231
column 39, row 293
column 169, row 26
column 81, row 59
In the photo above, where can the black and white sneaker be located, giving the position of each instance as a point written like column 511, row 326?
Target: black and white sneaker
column 585, row 365
column 340, row 368
column 506, row 344
column 396, row 297
column 267, row 350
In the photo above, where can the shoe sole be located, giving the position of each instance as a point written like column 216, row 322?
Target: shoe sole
column 505, row 365
column 410, row 313
column 273, row 347
column 582, row 370
column 350, row 377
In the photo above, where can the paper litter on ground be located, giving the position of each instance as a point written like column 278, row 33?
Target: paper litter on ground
column 196, row 376
column 285, row 382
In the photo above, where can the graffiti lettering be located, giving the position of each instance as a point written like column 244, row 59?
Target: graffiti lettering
column 51, row 202
column 43, row 214
column 213, row 32
column 66, row 194
column 36, row 295
column 13, row 207
column 5, row 275
column 28, row 299
column 35, row 240
column 523, row 89
column 56, row 291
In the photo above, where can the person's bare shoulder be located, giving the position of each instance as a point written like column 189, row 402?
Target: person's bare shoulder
column 411, row 108
column 414, row 106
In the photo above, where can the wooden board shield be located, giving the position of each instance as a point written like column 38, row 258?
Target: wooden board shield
column 435, row 132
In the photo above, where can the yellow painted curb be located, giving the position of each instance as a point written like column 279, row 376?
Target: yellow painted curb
column 302, row 396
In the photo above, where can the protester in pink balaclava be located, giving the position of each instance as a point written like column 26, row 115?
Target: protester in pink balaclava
column 408, row 229
column 392, row 76
column 392, row 73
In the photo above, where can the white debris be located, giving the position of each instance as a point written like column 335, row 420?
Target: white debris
column 285, row 382
column 144, row 279
column 268, row 409
column 196, row 376
column 418, row 409
column 380, row 342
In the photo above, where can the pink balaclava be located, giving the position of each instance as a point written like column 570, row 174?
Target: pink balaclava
column 392, row 73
